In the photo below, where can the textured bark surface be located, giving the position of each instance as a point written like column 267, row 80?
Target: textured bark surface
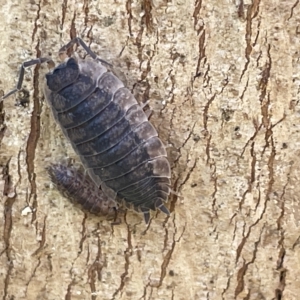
column 223, row 79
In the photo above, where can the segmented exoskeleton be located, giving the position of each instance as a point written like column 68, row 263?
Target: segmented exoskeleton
column 80, row 189
column 109, row 130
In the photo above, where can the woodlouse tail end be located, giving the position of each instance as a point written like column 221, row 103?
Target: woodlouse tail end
column 160, row 205
column 146, row 217
column 164, row 210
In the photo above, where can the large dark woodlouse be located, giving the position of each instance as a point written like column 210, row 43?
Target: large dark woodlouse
column 109, row 130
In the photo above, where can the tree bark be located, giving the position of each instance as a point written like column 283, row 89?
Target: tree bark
column 223, row 82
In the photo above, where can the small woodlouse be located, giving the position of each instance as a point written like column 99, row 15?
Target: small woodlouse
column 80, row 189
column 108, row 129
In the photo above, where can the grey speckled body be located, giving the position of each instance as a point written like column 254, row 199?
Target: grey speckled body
column 80, row 189
column 110, row 132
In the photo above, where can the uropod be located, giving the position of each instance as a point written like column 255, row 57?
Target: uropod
column 107, row 128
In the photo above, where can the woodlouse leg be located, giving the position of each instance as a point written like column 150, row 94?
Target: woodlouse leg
column 145, row 104
column 147, row 112
column 176, row 194
column 22, row 72
column 89, row 51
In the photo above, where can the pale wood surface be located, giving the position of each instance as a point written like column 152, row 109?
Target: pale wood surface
column 223, row 79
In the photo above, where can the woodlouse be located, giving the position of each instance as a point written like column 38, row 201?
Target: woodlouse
column 109, row 130
column 80, row 189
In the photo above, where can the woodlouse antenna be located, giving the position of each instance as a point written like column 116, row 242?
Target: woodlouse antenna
column 24, row 65
column 78, row 40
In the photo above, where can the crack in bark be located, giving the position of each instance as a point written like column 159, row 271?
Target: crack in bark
column 68, row 295
column 35, row 28
column 33, row 274
column 127, row 254
column 95, row 270
column 145, row 290
column 165, row 263
column 173, row 85
column 122, row 50
column 173, row 294
column 43, row 240
column 183, row 144
column 282, row 207
column 270, row 185
column 19, row 169
column 292, row 9
column 268, row 136
column 174, row 198
column 243, row 242
column 168, row 256
column 282, row 271
column 240, row 11
column 252, row 13
column 296, row 243
column 7, row 227
column 189, row 173
column 258, row 198
column 140, row 48
column 73, row 32
column 175, row 186
column 214, row 199
column 252, row 138
column 205, row 111
column 265, row 101
column 86, row 10
column 253, row 164
column 242, row 271
column 241, row 245
column 197, row 9
column 147, row 18
column 271, row 169
column 34, row 136
column 83, row 235
column 64, row 7
column 257, row 33
column 244, row 197
column 2, row 122
column 206, row 77
column 146, row 92
column 227, row 287
column 128, row 8
column 201, row 47
column 252, row 173
column 6, row 179
column 207, row 151
column 244, row 90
